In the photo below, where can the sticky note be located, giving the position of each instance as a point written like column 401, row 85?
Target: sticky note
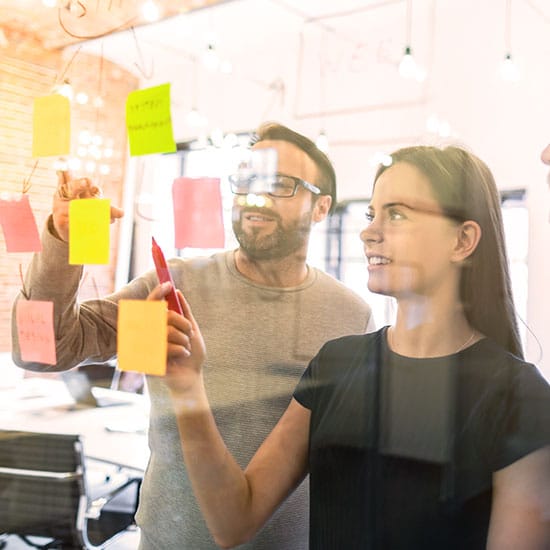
column 19, row 224
column 89, row 235
column 51, row 126
column 142, row 336
column 35, row 330
column 149, row 121
column 198, row 217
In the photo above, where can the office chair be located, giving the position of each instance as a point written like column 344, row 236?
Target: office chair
column 44, row 492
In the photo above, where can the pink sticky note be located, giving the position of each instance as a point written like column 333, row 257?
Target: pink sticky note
column 198, row 215
column 19, row 225
column 35, row 329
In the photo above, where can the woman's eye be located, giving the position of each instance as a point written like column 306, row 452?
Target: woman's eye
column 395, row 215
column 369, row 216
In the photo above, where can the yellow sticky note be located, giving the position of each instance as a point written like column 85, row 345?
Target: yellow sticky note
column 142, row 336
column 89, row 234
column 149, row 121
column 51, row 133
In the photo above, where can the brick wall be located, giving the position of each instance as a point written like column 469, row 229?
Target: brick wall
column 28, row 71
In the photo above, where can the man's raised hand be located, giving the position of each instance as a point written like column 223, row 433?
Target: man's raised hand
column 69, row 188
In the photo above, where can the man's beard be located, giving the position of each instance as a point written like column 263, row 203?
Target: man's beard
column 280, row 243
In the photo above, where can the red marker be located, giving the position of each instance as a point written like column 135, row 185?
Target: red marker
column 164, row 276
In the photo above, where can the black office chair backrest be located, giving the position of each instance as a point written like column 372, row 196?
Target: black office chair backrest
column 41, row 484
column 40, row 451
column 43, row 492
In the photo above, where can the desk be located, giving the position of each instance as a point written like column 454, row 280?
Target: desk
column 115, row 433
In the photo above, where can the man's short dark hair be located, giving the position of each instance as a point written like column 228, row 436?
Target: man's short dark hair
column 327, row 176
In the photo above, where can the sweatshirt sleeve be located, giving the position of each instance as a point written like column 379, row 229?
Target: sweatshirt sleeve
column 83, row 331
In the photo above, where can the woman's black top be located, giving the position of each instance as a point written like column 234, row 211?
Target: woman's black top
column 402, row 450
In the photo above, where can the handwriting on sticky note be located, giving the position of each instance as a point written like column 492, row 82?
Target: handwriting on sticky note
column 198, row 216
column 19, row 224
column 142, row 336
column 51, row 126
column 89, row 235
column 35, row 330
column 149, row 121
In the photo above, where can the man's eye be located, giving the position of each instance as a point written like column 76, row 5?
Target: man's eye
column 369, row 216
column 279, row 186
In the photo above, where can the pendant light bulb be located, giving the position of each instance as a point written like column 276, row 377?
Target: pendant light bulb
column 64, row 89
column 508, row 69
column 322, row 142
column 210, row 58
column 194, row 117
column 150, row 11
column 407, row 65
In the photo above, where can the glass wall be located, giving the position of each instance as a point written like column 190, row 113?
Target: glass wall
column 335, row 246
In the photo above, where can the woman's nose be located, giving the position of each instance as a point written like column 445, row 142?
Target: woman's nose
column 372, row 232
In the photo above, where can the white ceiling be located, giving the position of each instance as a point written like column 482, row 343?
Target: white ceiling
column 237, row 28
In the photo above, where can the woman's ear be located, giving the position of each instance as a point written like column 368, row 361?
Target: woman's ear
column 321, row 208
column 468, row 237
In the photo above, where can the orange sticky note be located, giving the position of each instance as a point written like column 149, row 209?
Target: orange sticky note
column 149, row 121
column 35, row 330
column 51, row 133
column 89, row 235
column 142, row 336
column 198, row 217
column 19, row 224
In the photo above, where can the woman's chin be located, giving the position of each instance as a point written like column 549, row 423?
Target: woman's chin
column 378, row 288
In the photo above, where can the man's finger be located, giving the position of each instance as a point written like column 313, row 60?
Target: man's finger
column 80, row 188
column 160, row 291
column 63, row 176
column 187, row 313
column 116, row 213
column 62, row 190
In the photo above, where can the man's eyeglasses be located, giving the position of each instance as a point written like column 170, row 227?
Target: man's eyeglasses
column 277, row 185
